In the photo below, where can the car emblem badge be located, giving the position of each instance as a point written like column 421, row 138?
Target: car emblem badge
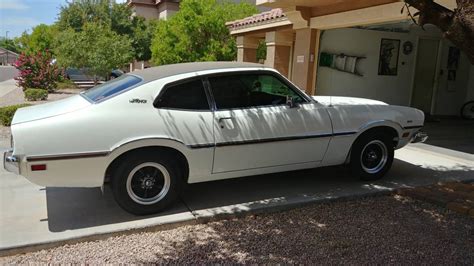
column 137, row 101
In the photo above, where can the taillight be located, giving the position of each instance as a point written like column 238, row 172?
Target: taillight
column 38, row 167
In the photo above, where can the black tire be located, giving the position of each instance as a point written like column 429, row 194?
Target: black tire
column 372, row 156
column 467, row 110
column 146, row 184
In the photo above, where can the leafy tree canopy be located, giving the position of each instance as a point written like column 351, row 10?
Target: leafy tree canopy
column 197, row 32
column 96, row 48
column 117, row 17
column 75, row 14
column 41, row 39
column 10, row 44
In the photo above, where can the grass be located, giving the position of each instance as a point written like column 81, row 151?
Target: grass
column 7, row 113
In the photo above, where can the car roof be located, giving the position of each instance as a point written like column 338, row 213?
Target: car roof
column 154, row 73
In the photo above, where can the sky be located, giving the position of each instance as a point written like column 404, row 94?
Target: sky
column 17, row 16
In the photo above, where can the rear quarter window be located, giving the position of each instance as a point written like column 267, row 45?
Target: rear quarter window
column 111, row 88
column 185, row 96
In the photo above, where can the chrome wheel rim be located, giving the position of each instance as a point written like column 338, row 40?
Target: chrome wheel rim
column 148, row 183
column 374, row 156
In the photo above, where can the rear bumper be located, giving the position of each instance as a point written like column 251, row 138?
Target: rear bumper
column 11, row 163
column 419, row 137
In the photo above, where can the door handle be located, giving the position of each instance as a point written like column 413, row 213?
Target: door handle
column 224, row 118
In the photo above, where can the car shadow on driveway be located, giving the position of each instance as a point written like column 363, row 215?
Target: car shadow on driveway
column 76, row 208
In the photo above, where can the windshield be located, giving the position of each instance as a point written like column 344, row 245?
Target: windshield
column 111, row 87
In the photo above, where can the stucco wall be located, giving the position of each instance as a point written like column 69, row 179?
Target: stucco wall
column 148, row 12
column 358, row 42
column 167, row 9
column 391, row 89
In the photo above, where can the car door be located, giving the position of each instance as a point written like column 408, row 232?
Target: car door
column 255, row 128
column 185, row 113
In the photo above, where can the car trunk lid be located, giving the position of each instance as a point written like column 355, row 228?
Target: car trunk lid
column 51, row 109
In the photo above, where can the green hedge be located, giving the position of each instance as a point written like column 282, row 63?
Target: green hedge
column 7, row 112
column 66, row 84
column 36, row 94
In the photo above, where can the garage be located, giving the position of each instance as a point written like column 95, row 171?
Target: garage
column 359, row 49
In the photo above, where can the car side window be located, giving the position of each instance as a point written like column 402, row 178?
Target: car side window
column 188, row 95
column 250, row 90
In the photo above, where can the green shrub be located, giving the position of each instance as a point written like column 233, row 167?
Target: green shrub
column 66, row 84
column 7, row 112
column 36, row 94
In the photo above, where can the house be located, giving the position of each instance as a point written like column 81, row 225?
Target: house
column 153, row 9
column 7, row 57
column 356, row 48
column 160, row 9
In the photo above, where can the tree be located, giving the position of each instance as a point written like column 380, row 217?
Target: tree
column 197, row 32
column 10, row 44
column 96, row 48
column 77, row 13
column 142, row 36
column 457, row 25
column 42, row 38
column 117, row 17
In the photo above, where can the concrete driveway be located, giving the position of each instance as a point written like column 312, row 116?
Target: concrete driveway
column 8, row 72
column 32, row 216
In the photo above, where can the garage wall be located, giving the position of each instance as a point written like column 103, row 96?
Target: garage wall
column 359, row 42
column 391, row 89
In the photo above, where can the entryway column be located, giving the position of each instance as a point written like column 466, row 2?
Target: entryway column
column 247, row 49
column 305, row 59
column 279, row 50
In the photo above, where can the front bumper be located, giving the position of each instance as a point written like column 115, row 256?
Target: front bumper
column 10, row 162
column 419, row 137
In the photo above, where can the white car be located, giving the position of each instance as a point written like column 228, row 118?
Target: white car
column 152, row 130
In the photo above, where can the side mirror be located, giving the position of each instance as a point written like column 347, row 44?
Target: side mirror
column 290, row 101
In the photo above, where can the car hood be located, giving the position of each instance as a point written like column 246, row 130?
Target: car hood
column 337, row 100
column 46, row 110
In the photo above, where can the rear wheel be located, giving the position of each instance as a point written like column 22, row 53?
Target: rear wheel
column 372, row 156
column 147, row 184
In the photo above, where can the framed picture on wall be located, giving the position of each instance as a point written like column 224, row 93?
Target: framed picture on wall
column 388, row 57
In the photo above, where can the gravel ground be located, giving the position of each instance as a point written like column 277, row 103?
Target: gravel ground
column 380, row 230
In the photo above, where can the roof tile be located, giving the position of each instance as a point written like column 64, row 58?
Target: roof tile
column 264, row 16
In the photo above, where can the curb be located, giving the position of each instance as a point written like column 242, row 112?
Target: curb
column 199, row 217
column 92, row 237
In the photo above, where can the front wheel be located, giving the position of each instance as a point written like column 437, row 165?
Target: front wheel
column 372, row 156
column 146, row 185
